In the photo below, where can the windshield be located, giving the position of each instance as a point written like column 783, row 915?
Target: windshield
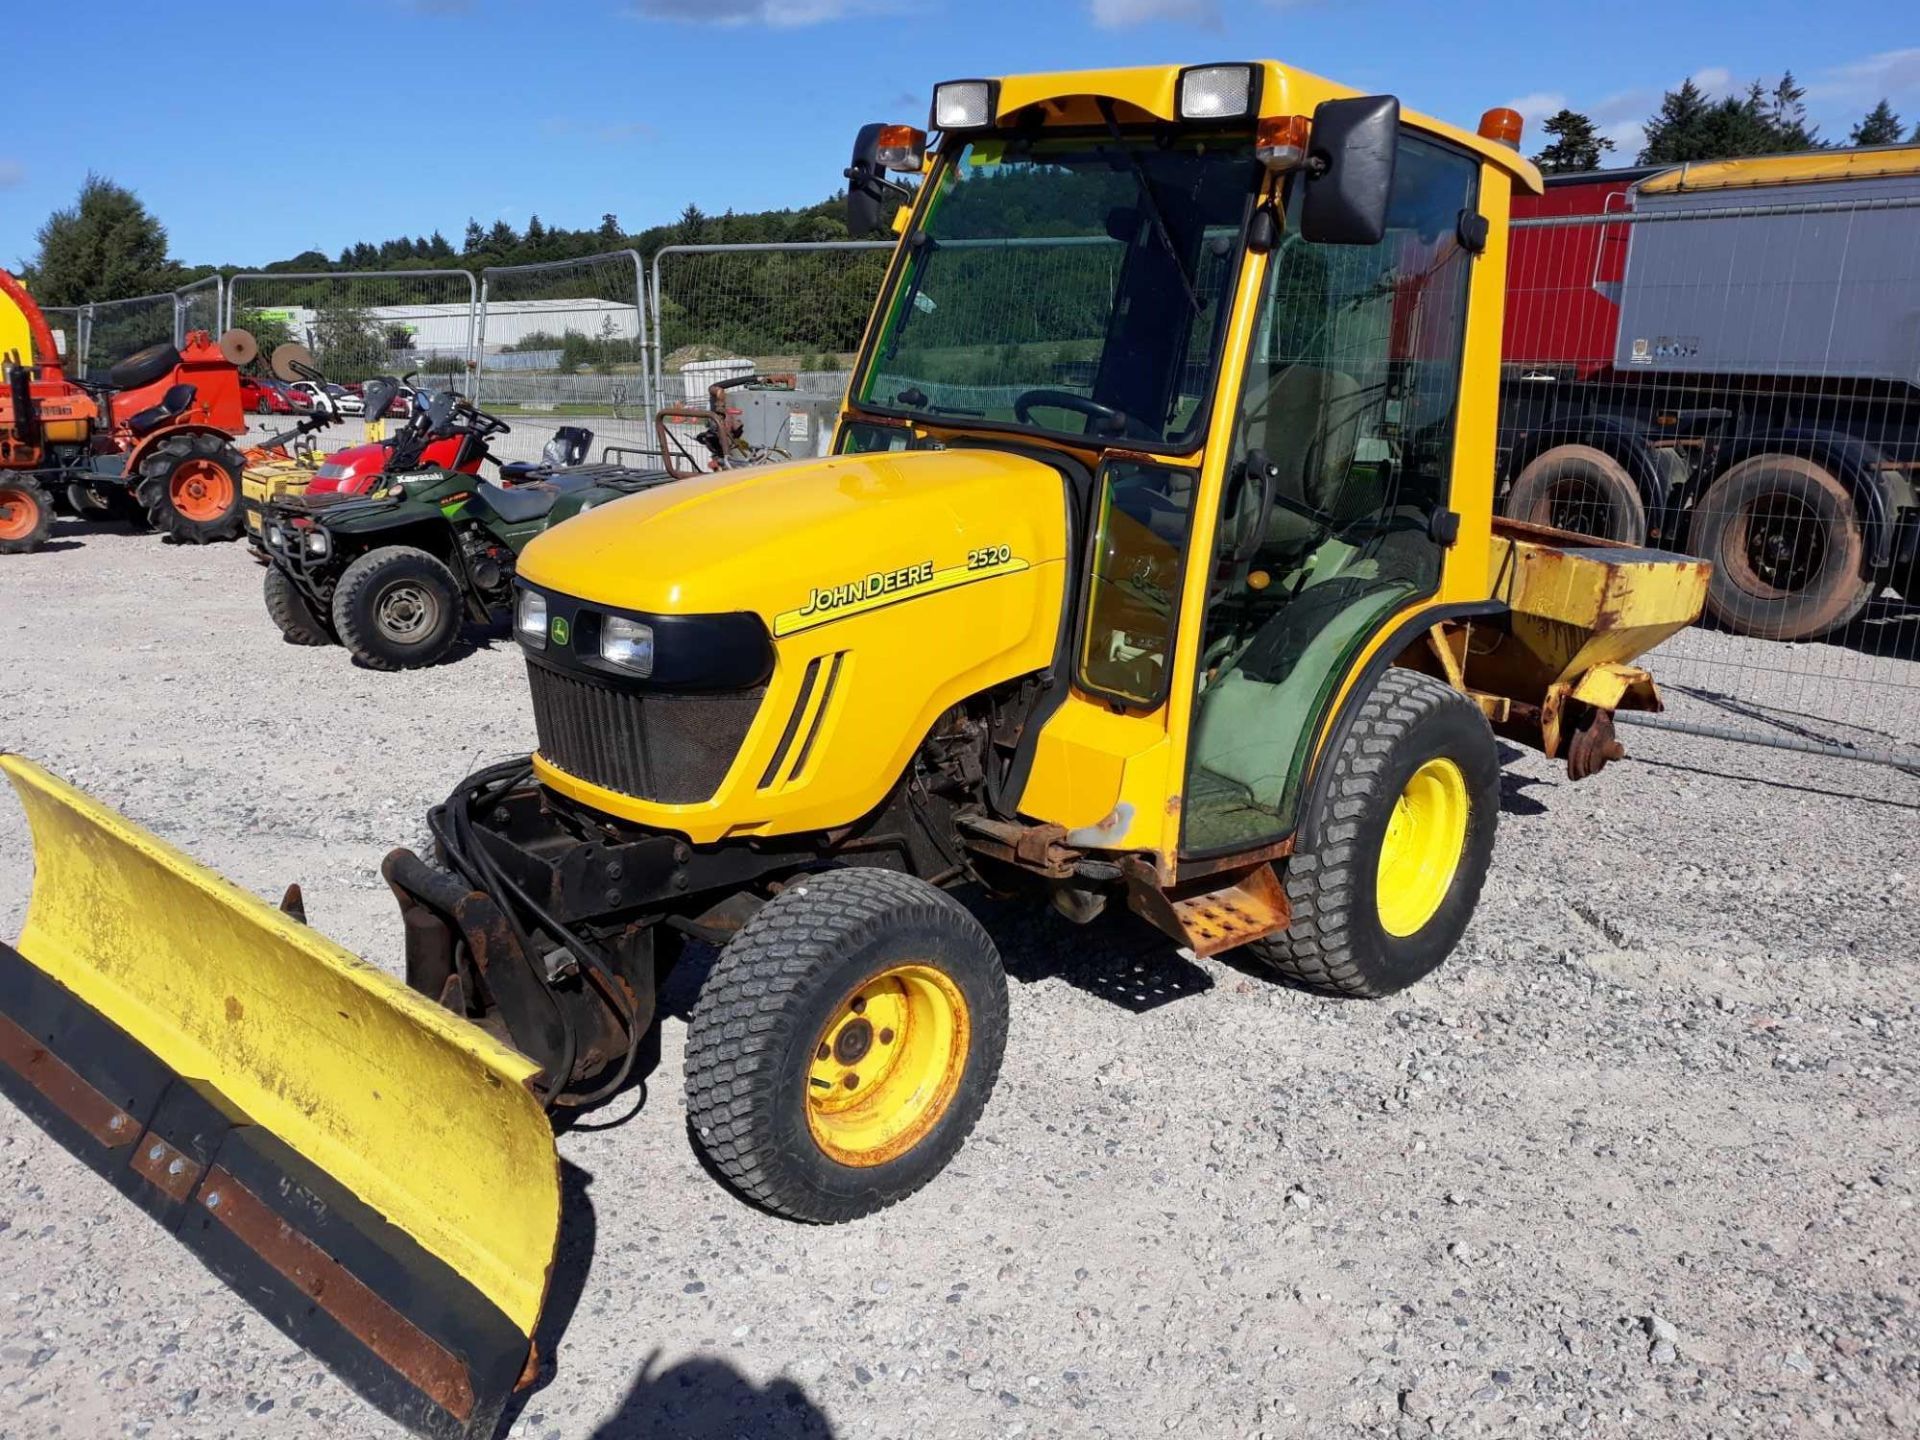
column 1073, row 286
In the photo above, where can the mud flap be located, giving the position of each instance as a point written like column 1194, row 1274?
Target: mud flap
column 368, row 1170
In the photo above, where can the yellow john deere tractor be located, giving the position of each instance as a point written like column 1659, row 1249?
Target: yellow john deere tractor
column 1154, row 564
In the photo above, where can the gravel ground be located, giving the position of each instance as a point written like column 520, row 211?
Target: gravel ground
column 1640, row 1161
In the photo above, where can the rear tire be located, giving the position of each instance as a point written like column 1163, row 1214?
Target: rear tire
column 299, row 622
column 26, row 516
column 189, row 485
column 863, row 975
column 1581, row 489
column 397, row 608
column 1391, row 860
column 1787, row 548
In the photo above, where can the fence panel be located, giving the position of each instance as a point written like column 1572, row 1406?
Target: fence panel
column 564, row 342
column 1736, row 374
column 111, row 330
column 199, row 306
column 360, row 324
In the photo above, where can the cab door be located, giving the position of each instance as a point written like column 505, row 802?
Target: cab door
column 1334, row 518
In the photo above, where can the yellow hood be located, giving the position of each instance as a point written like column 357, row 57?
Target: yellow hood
column 809, row 541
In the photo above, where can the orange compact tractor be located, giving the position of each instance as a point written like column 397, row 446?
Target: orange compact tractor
column 155, row 443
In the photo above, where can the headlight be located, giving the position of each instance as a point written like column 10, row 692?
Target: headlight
column 530, row 619
column 276, row 536
column 627, row 643
column 1216, row 92
column 963, row 105
column 319, row 543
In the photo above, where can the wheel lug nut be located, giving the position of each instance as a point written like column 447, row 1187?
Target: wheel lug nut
column 886, row 1037
column 823, row 1052
column 859, row 1004
column 851, row 1082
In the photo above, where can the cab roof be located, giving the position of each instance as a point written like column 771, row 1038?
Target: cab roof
column 1284, row 90
column 1820, row 165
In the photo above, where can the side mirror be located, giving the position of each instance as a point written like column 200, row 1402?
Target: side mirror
column 867, row 185
column 1349, row 174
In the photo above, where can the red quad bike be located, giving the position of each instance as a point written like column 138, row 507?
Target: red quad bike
column 154, row 443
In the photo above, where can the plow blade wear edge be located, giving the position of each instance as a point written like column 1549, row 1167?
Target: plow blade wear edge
column 367, row 1169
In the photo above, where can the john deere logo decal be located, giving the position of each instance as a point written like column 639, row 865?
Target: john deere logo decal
column 559, row 630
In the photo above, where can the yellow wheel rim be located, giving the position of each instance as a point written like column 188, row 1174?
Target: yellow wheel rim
column 887, row 1065
column 1426, row 835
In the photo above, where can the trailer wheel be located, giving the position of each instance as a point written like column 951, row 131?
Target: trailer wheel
column 1787, row 549
column 26, row 516
column 1582, row 489
column 189, row 485
column 299, row 622
column 397, row 608
column 845, row 1044
column 1391, row 860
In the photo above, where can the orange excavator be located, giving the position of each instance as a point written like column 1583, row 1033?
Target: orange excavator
column 155, row 443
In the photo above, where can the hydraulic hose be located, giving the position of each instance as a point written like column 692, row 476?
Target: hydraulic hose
column 465, row 855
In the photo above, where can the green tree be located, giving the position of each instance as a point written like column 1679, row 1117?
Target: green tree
column 610, row 227
column 1880, row 127
column 105, row 246
column 1785, row 112
column 475, row 237
column 1577, row 144
column 1689, row 126
column 348, row 343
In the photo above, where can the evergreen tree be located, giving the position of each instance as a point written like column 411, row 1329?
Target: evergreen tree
column 610, row 227
column 475, row 237
column 1576, row 146
column 502, row 237
column 1880, row 127
column 1673, row 132
column 105, row 246
column 1786, row 114
column 438, row 247
column 536, row 232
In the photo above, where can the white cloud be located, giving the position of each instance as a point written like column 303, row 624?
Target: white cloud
column 1892, row 75
column 11, row 174
column 1537, row 106
column 780, row 14
column 1118, row 14
column 1716, row 80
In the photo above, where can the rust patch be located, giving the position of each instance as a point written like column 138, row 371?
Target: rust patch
column 235, row 1010
column 79, row 1101
column 1214, row 920
column 168, row 1170
column 426, row 1364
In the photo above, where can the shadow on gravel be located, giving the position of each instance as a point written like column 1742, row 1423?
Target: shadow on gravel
column 1117, row 958
column 1859, row 796
column 707, row 1399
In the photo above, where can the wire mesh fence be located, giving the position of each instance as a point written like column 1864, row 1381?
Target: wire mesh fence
column 564, row 343
column 64, row 322
column 1734, row 372
column 111, row 330
column 199, row 306
column 366, row 323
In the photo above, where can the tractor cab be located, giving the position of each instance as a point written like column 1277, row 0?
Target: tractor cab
column 1236, row 306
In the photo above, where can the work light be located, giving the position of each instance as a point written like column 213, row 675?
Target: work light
column 963, row 105
column 1217, row 92
column 530, row 620
column 627, row 643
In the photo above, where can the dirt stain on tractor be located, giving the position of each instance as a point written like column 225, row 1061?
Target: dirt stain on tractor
column 235, row 1010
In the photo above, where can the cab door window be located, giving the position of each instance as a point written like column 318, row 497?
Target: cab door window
column 1343, row 456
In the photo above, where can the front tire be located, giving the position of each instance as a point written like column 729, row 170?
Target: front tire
column 299, row 622
column 1787, row 548
column 189, row 485
column 26, row 516
column 845, row 1044
column 1391, row 860
column 397, row 608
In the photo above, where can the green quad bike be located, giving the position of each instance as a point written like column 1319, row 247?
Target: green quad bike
column 393, row 574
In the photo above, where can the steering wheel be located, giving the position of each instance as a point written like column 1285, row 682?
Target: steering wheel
column 1067, row 400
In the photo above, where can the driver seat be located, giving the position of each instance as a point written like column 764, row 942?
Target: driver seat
column 177, row 399
column 1308, row 423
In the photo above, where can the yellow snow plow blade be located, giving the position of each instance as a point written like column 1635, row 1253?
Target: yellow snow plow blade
column 370, row 1170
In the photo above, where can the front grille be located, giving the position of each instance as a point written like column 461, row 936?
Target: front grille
column 670, row 749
